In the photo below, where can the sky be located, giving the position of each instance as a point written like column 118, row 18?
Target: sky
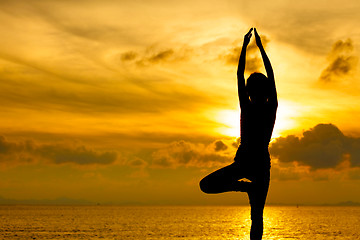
column 133, row 102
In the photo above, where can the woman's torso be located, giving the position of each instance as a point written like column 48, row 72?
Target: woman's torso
column 257, row 123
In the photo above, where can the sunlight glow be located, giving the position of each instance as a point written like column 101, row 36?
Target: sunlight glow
column 230, row 120
column 285, row 120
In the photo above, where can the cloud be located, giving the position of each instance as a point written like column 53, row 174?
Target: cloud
column 128, row 56
column 153, row 55
column 321, row 147
column 220, row 146
column 91, row 62
column 161, row 56
column 7, row 147
column 342, row 62
column 183, row 153
column 232, row 56
column 310, row 29
column 80, row 155
column 22, row 152
column 253, row 62
column 137, row 162
column 312, row 157
column 127, row 95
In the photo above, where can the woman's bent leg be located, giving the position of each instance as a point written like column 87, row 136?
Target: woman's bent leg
column 224, row 180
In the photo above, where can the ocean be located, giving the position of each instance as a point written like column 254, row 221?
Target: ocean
column 176, row 222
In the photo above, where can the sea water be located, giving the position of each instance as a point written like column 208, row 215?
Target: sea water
column 176, row 222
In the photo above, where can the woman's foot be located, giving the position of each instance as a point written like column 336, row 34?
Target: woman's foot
column 242, row 186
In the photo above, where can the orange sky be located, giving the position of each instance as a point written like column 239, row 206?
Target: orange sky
column 136, row 101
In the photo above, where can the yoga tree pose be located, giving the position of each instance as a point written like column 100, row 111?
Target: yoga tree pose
column 258, row 103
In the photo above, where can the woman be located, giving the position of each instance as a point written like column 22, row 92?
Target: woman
column 258, row 103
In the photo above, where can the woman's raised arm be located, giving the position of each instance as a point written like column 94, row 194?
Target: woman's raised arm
column 241, row 69
column 268, row 68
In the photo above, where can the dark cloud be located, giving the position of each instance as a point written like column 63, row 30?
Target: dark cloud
column 252, row 47
column 220, row 146
column 232, row 56
column 253, row 62
column 161, row 56
column 128, row 56
column 81, row 155
column 22, row 151
column 182, row 153
column 137, row 163
column 342, row 47
column 342, row 62
column 153, row 55
column 7, row 147
column 323, row 146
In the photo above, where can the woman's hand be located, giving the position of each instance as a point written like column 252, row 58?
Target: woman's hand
column 247, row 37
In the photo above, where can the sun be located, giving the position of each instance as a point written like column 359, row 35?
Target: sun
column 229, row 120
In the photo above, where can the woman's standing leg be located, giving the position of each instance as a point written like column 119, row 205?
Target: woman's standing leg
column 257, row 196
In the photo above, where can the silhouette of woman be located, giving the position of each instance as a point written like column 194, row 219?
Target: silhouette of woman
column 258, row 103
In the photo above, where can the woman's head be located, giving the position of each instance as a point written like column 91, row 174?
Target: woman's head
column 257, row 86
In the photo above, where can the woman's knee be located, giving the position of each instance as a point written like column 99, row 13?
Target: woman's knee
column 204, row 185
